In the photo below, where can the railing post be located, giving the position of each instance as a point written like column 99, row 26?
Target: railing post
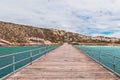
column 13, row 64
column 100, row 57
column 31, row 57
column 45, row 50
column 39, row 53
column 114, row 65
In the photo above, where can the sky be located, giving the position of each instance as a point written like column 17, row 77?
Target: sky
column 88, row 17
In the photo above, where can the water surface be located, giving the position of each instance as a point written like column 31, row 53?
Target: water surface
column 109, row 56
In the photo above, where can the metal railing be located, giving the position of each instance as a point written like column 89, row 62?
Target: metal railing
column 11, row 63
column 107, row 60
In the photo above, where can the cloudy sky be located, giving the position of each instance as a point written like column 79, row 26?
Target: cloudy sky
column 90, row 17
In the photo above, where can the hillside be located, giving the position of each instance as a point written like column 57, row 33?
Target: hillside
column 15, row 34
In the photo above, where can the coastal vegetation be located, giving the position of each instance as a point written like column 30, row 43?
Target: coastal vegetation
column 16, row 34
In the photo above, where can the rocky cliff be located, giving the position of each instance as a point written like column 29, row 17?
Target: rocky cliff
column 15, row 34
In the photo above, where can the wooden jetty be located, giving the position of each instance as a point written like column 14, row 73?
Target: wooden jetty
column 64, row 63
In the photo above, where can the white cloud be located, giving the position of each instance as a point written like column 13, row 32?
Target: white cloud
column 91, row 17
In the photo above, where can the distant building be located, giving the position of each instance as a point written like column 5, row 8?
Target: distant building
column 74, row 43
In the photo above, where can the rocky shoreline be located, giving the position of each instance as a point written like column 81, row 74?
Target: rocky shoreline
column 4, row 43
column 22, row 35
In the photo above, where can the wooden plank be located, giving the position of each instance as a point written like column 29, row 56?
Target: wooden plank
column 64, row 63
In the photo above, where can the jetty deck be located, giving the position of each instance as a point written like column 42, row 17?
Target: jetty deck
column 64, row 63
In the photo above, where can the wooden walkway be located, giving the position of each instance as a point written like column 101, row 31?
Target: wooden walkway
column 64, row 63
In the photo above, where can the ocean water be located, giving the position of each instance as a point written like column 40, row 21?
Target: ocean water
column 21, row 59
column 109, row 56
column 10, row 50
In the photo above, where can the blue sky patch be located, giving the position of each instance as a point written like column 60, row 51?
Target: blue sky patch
column 92, row 17
column 107, row 33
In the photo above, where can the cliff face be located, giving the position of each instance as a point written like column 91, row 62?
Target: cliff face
column 21, row 34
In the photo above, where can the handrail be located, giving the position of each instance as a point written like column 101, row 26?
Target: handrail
column 19, row 52
column 29, row 57
column 104, row 53
column 102, row 60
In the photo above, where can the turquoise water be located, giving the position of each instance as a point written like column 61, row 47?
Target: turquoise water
column 10, row 50
column 19, row 62
column 107, row 55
